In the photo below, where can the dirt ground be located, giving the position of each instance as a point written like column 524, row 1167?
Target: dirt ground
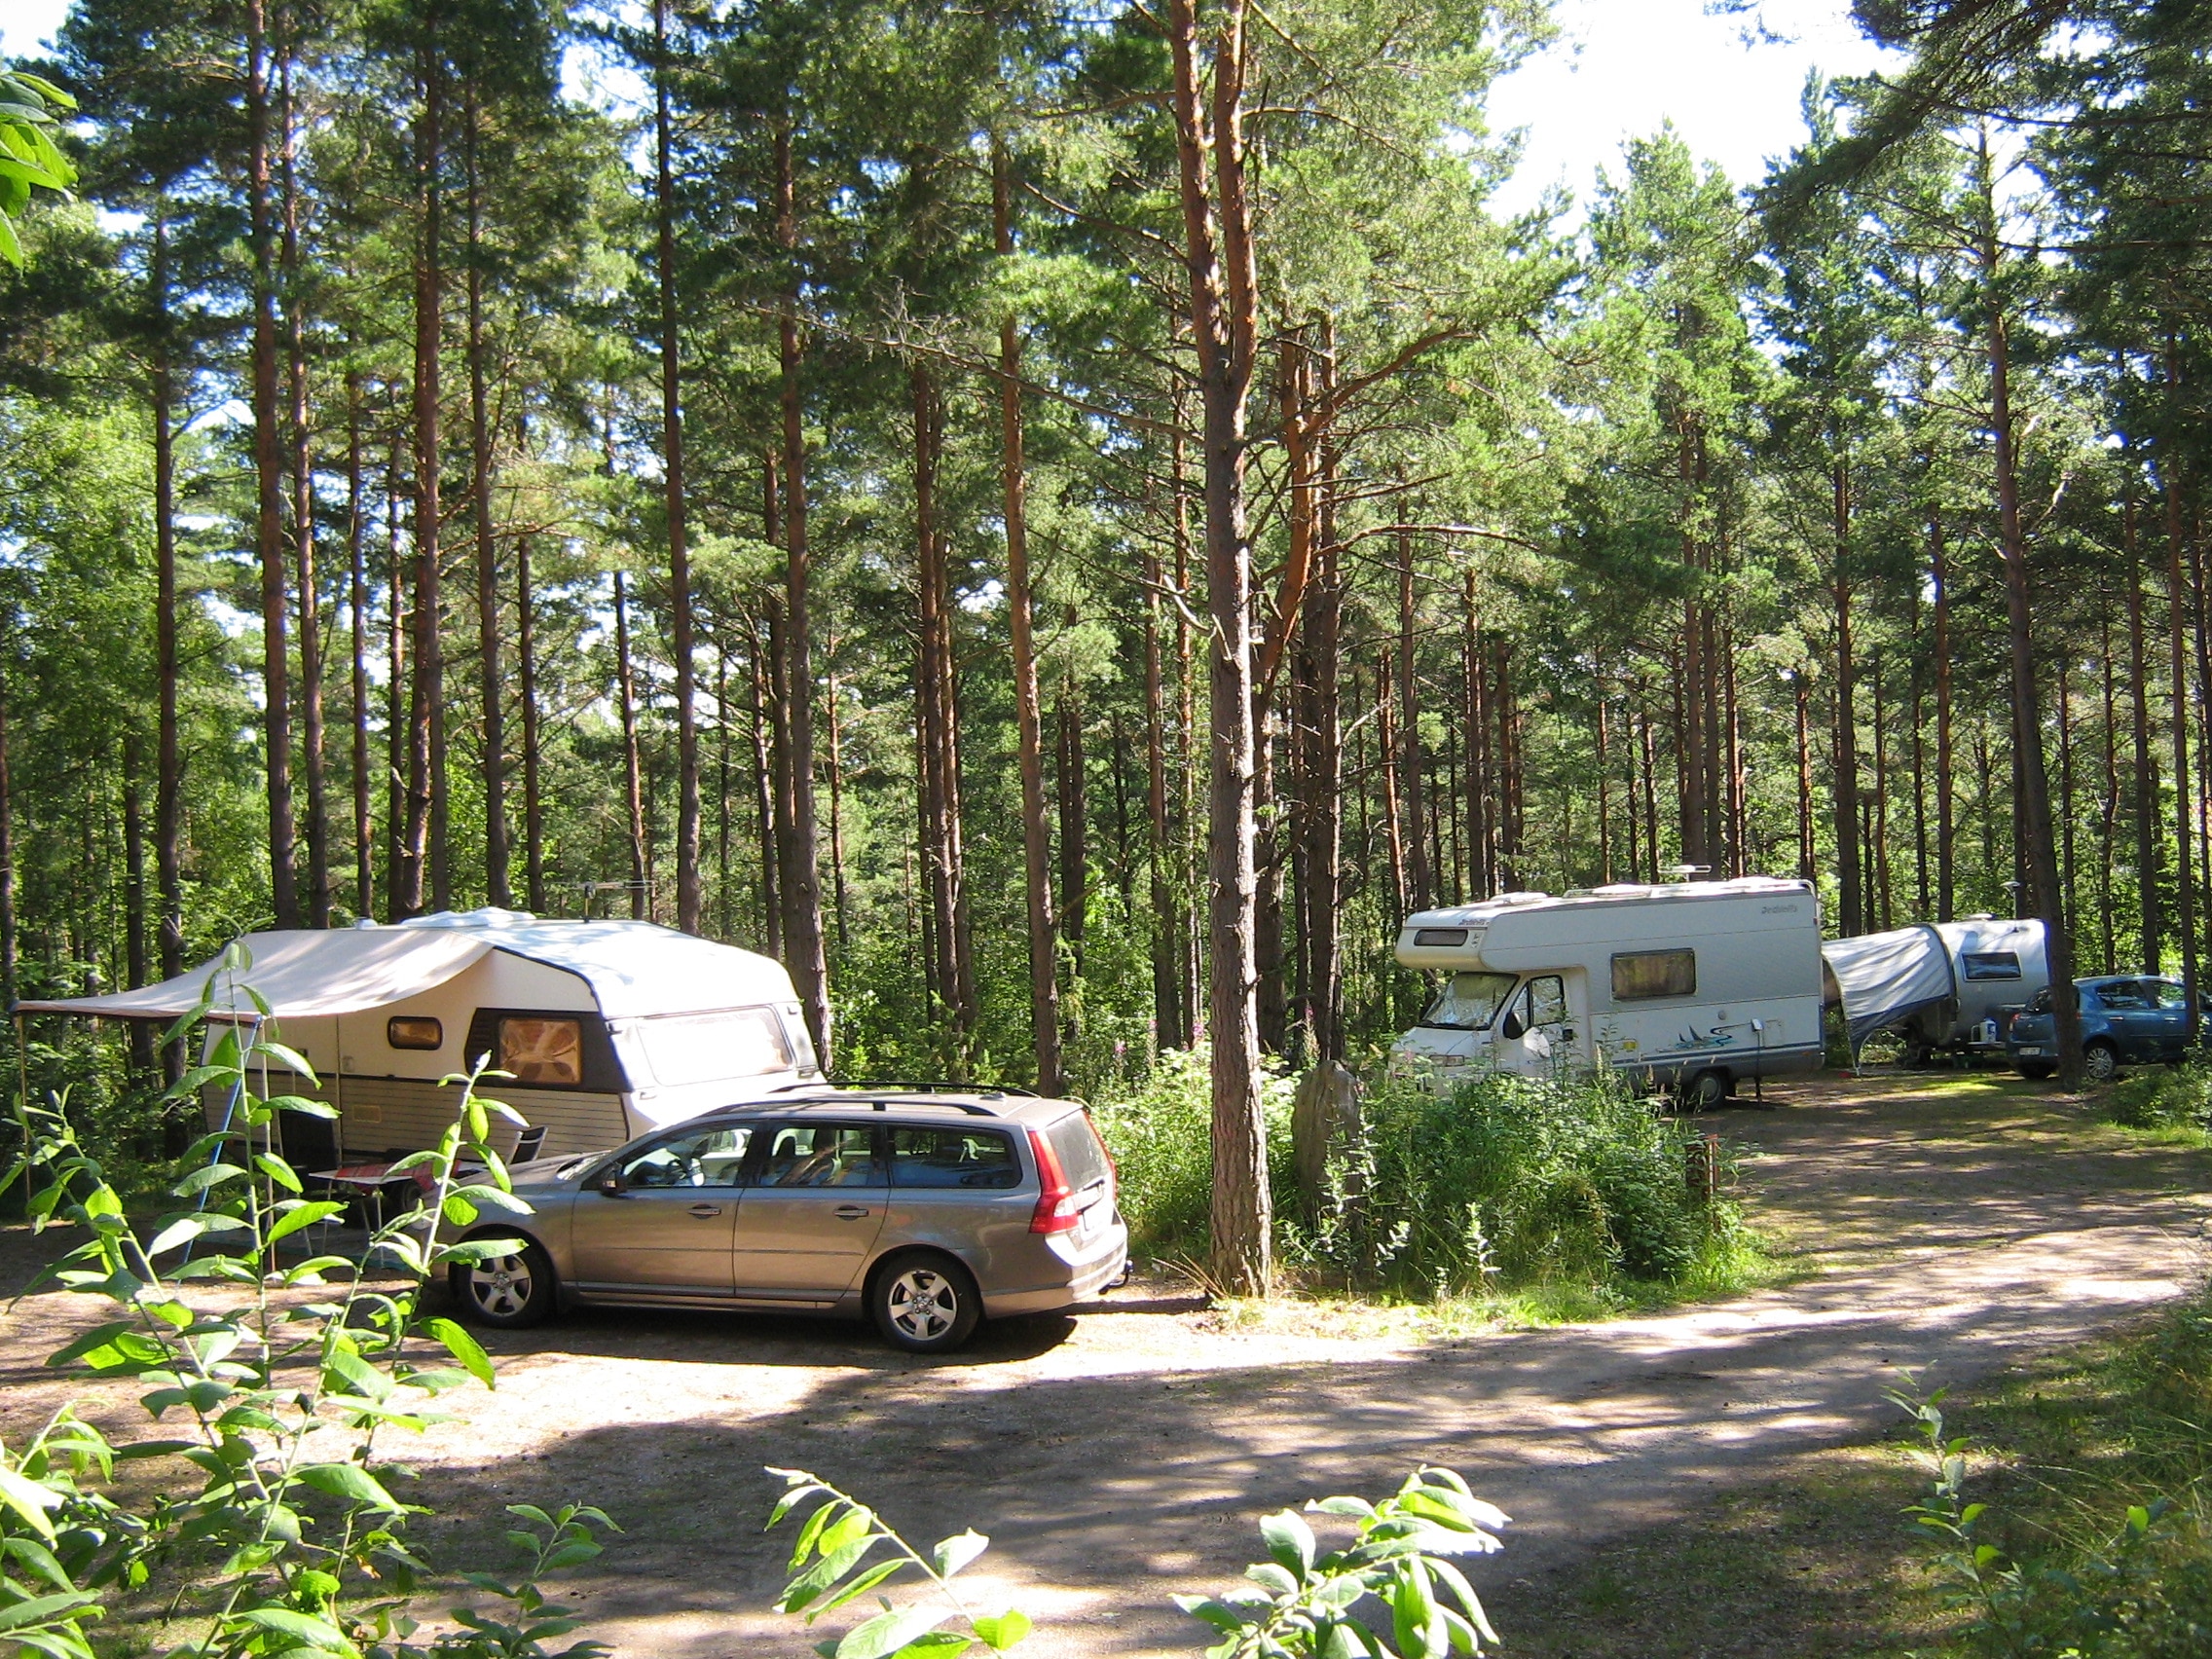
column 1949, row 1225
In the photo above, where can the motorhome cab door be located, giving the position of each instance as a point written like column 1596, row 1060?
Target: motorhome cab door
column 1543, row 1011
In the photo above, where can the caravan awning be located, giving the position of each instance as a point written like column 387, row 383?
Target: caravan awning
column 297, row 973
column 1883, row 977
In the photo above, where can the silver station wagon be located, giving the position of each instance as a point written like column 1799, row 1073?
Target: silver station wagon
column 923, row 1211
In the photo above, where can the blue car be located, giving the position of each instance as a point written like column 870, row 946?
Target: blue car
column 2126, row 1019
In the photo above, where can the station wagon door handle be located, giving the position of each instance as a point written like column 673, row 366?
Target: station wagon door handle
column 705, row 1212
column 851, row 1212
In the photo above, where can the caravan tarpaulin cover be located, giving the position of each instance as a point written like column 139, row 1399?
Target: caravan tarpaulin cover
column 298, row 973
column 1881, row 977
column 633, row 968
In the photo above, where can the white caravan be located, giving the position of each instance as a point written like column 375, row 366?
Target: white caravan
column 609, row 1028
column 1942, row 986
column 1695, row 985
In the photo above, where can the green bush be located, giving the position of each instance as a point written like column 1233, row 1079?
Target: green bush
column 1160, row 1134
column 2164, row 1098
column 1511, row 1181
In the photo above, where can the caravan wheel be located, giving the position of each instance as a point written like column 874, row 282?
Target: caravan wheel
column 508, row 1291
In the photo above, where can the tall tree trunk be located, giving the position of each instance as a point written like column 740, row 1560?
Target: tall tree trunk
column 1224, row 323
column 398, row 728
column 1798, row 681
column 268, row 479
column 169, row 757
column 1167, row 1009
column 357, row 635
column 689, row 909
column 2108, row 814
column 937, row 732
column 1850, row 917
column 804, row 946
column 1411, row 763
column 1946, row 826
column 841, row 907
column 2041, row 855
column 312, row 736
column 764, row 766
column 2178, row 605
column 633, row 771
column 532, row 757
column 1392, row 759
column 423, row 860
column 1069, row 780
column 2151, row 951
column 491, row 682
column 1029, row 724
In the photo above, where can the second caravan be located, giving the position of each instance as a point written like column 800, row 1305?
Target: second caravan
column 1695, row 985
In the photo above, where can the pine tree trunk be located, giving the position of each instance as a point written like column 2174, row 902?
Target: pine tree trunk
column 269, row 480
column 632, row 771
column 1947, row 827
column 364, row 834
column 2151, row 950
column 2177, row 610
column 532, row 757
column 1223, row 325
column 1069, row 791
column 764, row 772
column 424, row 858
column 1167, row 1009
column 168, row 759
column 398, row 727
column 801, row 877
column 491, row 682
column 690, row 911
column 1029, row 733
column 312, row 734
column 2037, row 842
column 1852, row 917
column 1411, row 763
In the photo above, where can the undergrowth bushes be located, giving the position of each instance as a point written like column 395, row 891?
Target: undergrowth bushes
column 2161, row 1097
column 1505, row 1183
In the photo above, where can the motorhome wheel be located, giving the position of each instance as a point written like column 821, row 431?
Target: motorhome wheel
column 1705, row 1091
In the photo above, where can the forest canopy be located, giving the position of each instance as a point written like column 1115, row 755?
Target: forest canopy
column 1065, row 526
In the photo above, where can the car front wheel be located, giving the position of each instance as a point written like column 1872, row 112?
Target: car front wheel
column 925, row 1302
column 508, row 1292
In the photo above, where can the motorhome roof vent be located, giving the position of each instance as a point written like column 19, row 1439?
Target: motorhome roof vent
column 1978, row 916
column 1521, row 898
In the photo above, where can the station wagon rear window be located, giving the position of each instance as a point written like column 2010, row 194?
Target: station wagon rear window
column 1081, row 1154
column 1640, row 974
column 700, row 1048
column 1991, row 964
column 954, row 1157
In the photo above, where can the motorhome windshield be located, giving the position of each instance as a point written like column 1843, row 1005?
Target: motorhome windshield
column 1468, row 1001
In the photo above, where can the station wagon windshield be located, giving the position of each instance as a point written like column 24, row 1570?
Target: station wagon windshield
column 1468, row 1001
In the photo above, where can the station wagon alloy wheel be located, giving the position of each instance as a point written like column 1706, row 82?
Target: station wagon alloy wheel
column 506, row 1290
column 925, row 1304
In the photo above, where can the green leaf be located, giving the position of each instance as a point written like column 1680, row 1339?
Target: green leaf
column 350, row 1482
column 29, row 1501
column 860, row 1586
column 464, row 1347
column 48, row 1609
column 1003, row 1632
column 291, row 1059
column 953, row 1554
column 303, row 1215
column 888, row 1632
column 317, row 1632
column 935, row 1645
column 1289, row 1540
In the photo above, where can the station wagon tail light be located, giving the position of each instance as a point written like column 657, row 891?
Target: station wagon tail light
column 1056, row 1211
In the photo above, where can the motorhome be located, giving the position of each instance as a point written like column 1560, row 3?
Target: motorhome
column 1693, row 985
column 1941, row 986
column 608, row 1028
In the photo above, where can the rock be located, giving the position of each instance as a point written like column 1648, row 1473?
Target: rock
column 1324, row 1117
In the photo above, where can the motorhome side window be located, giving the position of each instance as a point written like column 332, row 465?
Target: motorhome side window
column 1468, row 1001
column 701, row 1047
column 541, row 1049
column 1991, row 964
column 1547, row 1001
column 1640, row 974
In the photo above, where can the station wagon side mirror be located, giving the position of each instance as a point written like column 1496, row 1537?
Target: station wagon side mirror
column 610, row 1183
column 1513, row 1026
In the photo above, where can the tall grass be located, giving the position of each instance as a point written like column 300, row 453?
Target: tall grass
column 1507, row 1183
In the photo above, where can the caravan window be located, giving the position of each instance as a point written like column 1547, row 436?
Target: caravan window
column 412, row 1031
column 1638, row 974
column 1468, row 1001
column 701, row 1047
column 538, row 1049
column 1991, row 964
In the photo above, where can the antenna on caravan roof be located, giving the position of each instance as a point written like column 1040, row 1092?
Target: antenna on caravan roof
column 1676, row 872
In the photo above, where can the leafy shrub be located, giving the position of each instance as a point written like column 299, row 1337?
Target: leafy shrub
column 1511, row 1180
column 271, row 1488
column 1309, row 1603
column 1160, row 1134
column 2164, row 1098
